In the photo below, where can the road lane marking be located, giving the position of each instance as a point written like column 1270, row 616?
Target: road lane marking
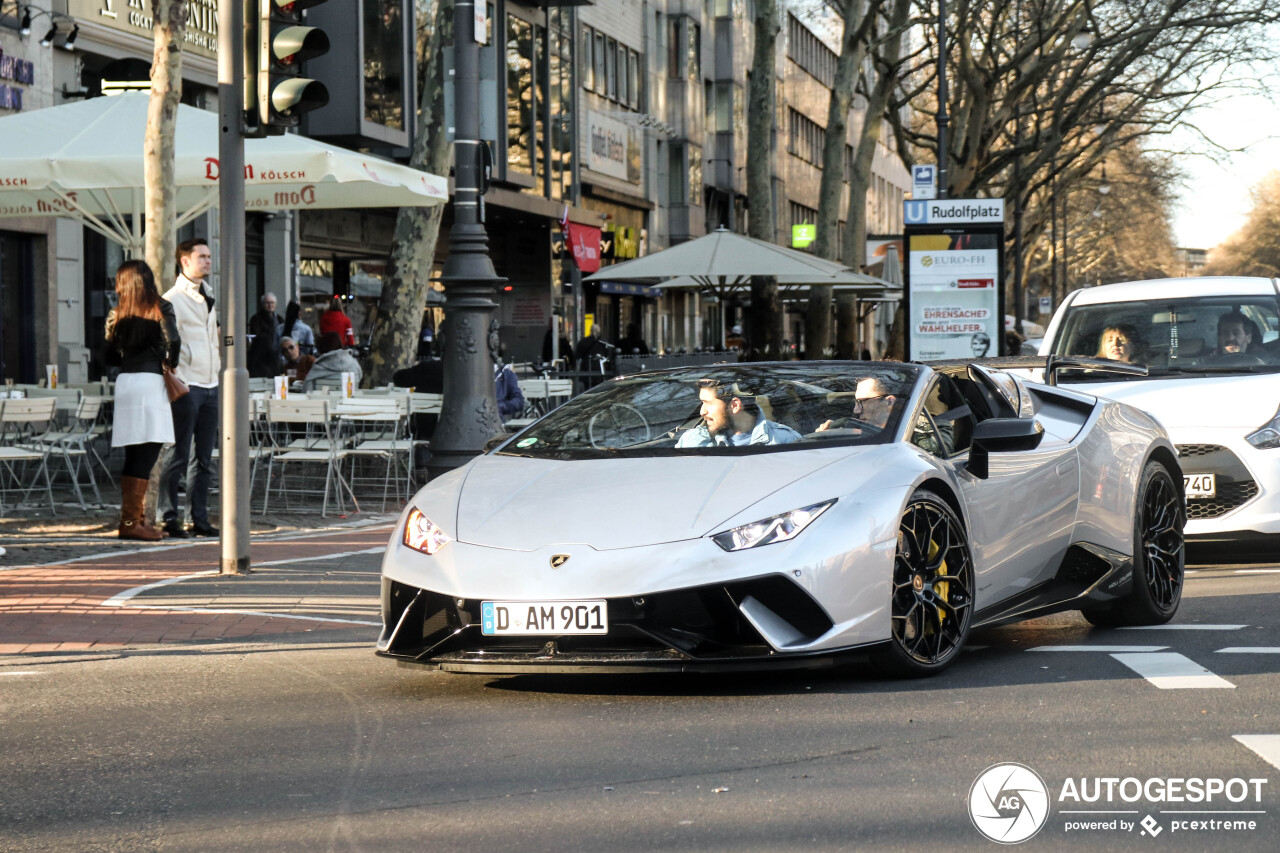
column 1172, row 671
column 1108, row 649
column 1250, row 650
column 338, row 556
column 1183, row 627
column 1257, row 571
column 1266, row 746
column 122, row 599
column 27, row 672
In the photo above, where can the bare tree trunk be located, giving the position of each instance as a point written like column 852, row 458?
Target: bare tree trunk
column 157, row 160
column 765, row 320
column 404, row 289
column 853, row 48
column 878, row 99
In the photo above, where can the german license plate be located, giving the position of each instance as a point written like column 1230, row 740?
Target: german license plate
column 499, row 618
column 1199, row 485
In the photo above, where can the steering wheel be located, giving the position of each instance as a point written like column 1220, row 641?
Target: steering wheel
column 620, row 425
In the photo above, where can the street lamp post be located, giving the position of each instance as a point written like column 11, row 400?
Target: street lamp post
column 469, row 414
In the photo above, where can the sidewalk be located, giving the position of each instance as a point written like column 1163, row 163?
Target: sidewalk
column 88, row 591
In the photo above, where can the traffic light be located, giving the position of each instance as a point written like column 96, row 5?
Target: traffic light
column 283, row 45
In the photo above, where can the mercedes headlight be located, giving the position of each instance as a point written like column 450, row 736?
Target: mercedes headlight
column 779, row 528
column 421, row 534
column 1267, row 436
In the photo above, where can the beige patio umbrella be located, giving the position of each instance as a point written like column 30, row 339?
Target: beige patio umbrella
column 84, row 160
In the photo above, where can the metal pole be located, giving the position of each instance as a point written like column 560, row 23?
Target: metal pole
column 1053, row 240
column 234, row 382
column 942, row 99
column 469, row 414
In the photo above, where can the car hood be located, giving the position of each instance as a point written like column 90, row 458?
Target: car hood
column 1242, row 402
column 525, row 504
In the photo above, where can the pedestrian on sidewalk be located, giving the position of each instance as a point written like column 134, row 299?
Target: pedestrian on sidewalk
column 194, row 414
column 142, row 339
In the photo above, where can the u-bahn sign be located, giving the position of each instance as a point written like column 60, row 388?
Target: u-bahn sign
column 954, row 297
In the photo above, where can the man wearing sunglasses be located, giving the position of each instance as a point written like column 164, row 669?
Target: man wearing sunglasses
column 872, row 405
column 731, row 417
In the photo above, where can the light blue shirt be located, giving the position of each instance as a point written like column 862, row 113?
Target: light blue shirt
column 764, row 432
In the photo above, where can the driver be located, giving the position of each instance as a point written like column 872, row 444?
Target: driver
column 872, row 405
column 1235, row 334
column 731, row 417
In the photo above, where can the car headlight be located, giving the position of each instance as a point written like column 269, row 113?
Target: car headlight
column 421, row 534
column 1267, row 436
column 779, row 528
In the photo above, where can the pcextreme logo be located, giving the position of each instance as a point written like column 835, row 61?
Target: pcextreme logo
column 1009, row 803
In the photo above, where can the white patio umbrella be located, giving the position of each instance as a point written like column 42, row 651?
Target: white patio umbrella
column 722, row 261
column 84, row 160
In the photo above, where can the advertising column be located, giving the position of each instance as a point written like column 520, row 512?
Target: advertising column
column 954, row 273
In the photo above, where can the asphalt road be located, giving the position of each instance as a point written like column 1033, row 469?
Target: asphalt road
column 318, row 745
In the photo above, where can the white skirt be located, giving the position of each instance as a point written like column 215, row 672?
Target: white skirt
column 142, row 412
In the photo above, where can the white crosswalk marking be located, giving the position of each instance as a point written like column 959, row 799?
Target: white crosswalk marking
column 1172, row 671
column 1267, row 746
column 1108, row 649
column 1250, row 650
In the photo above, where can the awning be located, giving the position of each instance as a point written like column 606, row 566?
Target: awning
column 84, row 160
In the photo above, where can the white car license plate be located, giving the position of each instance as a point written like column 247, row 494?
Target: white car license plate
column 1199, row 485
column 544, row 617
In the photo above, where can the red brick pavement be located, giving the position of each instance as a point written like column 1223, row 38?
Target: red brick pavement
column 60, row 607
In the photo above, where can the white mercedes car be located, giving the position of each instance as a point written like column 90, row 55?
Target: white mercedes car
column 1212, row 348
column 739, row 516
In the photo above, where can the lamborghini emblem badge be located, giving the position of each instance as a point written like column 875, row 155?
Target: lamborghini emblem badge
column 558, row 560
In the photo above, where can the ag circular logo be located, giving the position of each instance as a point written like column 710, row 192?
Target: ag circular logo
column 1008, row 803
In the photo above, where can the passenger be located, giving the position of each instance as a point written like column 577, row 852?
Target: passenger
column 872, row 406
column 731, row 417
column 1235, row 334
column 1119, row 342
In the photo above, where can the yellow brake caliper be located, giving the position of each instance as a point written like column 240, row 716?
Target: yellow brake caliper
column 942, row 587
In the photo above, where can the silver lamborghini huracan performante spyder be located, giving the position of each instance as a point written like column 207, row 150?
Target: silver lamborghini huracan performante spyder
column 743, row 516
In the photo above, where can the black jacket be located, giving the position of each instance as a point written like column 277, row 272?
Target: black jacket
column 139, row 345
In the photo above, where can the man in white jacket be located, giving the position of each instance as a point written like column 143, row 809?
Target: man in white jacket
column 195, row 415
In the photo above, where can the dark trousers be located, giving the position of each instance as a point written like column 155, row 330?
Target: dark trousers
column 194, row 415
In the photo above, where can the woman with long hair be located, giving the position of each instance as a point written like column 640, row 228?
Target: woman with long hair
column 294, row 327
column 142, row 339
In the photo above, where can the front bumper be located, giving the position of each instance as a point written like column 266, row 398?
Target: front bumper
column 690, row 630
column 1248, row 486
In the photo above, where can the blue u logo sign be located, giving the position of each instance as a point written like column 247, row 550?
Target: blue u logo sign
column 915, row 212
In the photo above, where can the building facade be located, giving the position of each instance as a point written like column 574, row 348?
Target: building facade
column 622, row 115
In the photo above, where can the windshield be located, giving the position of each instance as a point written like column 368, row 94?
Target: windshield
column 733, row 409
column 1175, row 337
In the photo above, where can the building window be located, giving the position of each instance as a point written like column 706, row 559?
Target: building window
column 611, row 70
column 633, row 72
column 585, row 61
column 806, row 139
column 520, row 95
column 695, row 174
column 676, row 175
column 807, row 50
column 599, row 64
column 675, row 57
column 695, row 50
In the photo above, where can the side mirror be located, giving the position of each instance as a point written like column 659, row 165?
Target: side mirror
column 495, row 442
column 1001, row 435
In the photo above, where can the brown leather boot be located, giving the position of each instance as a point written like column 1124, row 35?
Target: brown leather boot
column 133, row 524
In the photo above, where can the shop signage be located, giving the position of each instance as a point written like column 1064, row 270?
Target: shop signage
column 954, row 298
column 802, row 236
column 613, row 148
column 626, row 242
column 134, row 16
column 19, row 71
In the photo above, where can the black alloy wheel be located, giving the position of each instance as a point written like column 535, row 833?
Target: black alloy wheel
column 1159, row 558
column 931, row 604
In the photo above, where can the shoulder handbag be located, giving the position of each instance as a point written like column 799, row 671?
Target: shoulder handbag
column 175, row 386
